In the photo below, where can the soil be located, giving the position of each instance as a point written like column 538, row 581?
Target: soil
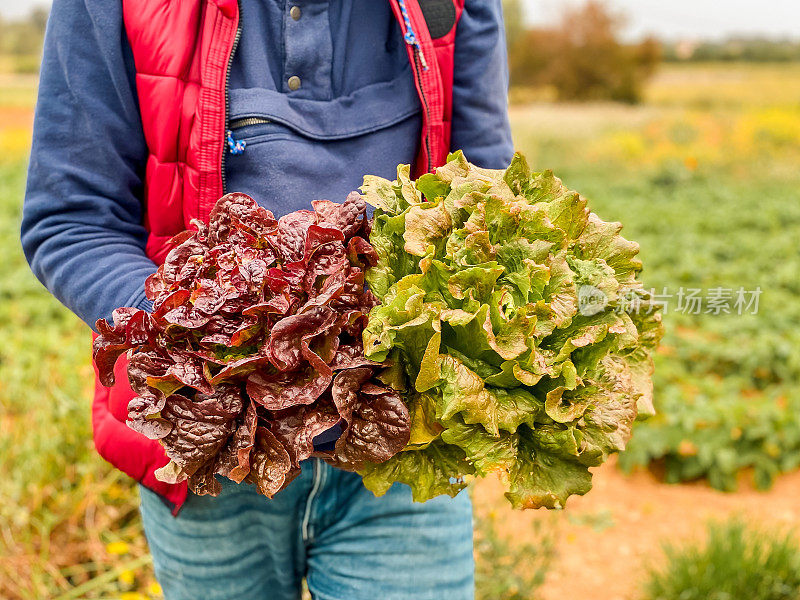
column 606, row 539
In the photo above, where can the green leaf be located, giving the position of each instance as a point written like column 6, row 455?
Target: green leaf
column 541, row 479
column 405, row 188
column 602, row 240
column 517, row 406
column 479, row 281
column 432, row 471
column 424, row 426
column 429, row 365
column 518, row 174
column 379, row 192
column 426, row 225
column 467, row 332
column 465, row 248
column 487, row 453
column 432, row 187
column 393, row 261
column 465, row 394
column 607, row 424
column 567, row 210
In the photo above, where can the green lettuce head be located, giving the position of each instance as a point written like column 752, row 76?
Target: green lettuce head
column 516, row 326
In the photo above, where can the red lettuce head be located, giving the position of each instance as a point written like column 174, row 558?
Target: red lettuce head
column 254, row 347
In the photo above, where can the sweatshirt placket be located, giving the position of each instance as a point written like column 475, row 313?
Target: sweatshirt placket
column 308, row 49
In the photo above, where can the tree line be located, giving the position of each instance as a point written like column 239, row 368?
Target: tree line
column 584, row 56
column 581, row 57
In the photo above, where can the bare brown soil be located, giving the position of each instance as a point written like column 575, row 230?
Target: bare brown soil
column 606, row 538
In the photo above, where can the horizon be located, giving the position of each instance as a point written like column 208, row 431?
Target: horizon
column 688, row 19
column 676, row 20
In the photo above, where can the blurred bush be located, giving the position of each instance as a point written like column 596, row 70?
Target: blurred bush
column 582, row 57
column 748, row 49
column 736, row 563
column 22, row 38
column 718, row 437
column 25, row 64
column 726, row 384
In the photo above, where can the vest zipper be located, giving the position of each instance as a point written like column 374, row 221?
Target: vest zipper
column 247, row 121
column 227, row 84
column 427, row 138
column 420, row 64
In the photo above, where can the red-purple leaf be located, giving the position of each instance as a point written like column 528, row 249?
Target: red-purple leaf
column 285, row 341
column 203, row 482
column 234, row 458
column 292, row 231
column 188, row 369
column 297, row 427
column 361, row 253
column 378, row 426
column 269, row 463
column 201, row 426
column 286, row 389
column 238, row 368
column 144, row 417
column 207, row 296
column 273, row 309
column 349, row 217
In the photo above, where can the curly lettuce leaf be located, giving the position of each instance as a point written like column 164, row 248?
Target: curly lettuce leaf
column 432, row 471
column 504, row 302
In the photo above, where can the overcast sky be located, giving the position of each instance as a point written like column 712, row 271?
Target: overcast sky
column 665, row 18
column 693, row 18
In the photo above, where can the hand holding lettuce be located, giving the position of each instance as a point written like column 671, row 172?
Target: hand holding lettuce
column 519, row 334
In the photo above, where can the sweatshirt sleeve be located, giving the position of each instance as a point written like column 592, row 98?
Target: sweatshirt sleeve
column 82, row 223
column 480, row 124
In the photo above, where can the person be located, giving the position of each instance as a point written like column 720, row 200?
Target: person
column 148, row 111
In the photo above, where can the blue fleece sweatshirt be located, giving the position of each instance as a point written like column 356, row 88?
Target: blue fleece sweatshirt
column 355, row 112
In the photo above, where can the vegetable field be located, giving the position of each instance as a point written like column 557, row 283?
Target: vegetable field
column 704, row 176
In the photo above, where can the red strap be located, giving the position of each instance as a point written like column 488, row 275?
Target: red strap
column 212, row 105
column 428, row 82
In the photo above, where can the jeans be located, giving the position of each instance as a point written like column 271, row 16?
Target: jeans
column 325, row 527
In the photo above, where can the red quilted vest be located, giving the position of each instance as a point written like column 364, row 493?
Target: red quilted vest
column 182, row 51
